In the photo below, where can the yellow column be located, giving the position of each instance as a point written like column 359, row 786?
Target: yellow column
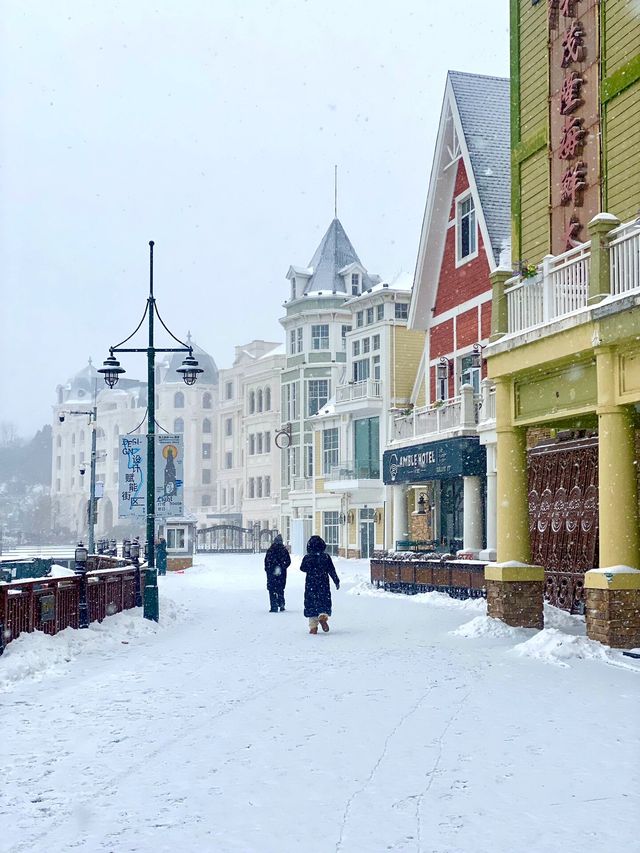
column 511, row 482
column 618, row 498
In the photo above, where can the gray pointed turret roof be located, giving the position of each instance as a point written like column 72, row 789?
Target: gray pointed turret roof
column 334, row 252
column 483, row 104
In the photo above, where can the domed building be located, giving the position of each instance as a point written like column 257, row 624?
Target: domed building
column 122, row 410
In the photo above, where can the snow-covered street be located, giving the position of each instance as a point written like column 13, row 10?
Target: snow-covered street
column 229, row 728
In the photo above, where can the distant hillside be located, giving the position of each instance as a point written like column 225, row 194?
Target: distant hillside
column 27, row 463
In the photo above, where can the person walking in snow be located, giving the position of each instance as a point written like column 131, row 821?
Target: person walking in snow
column 276, row 561
column 318, row 567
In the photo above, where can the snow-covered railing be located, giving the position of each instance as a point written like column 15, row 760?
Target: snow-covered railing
column 53, row 604
column 355, row 471
column 624, row 248
column 487, row 413
column 560, row 287
column 456, row 413
column 524, row 302
column 302, row 484
column 367, row 388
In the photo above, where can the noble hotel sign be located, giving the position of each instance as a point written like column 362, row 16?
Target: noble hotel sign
column 437, row 460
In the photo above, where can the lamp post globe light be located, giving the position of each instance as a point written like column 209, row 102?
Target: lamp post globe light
column 112, row 371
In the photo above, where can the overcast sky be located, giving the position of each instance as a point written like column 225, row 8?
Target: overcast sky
column 211, row 128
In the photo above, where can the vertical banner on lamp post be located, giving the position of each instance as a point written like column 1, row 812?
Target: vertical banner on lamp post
column 132, row 477
column 169, row 497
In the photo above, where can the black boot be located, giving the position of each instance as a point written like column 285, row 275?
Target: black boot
column 281, row 600
column 273, row 599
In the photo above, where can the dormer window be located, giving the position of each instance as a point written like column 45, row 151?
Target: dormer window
column 466, row 230
column 355, row 284
column 293, row 287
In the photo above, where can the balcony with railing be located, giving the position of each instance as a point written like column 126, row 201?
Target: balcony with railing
column 364, row 392
column 302, row 484
column 446, row 418
column 561, row 287
column 355, row 471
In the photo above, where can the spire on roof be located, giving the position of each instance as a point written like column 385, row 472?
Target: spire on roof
column 334, row 252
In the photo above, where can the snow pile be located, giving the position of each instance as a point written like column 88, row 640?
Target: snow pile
column 562, row 639
column 557, row 647
column 486, row 626
column 61, row 572
column 37, row 655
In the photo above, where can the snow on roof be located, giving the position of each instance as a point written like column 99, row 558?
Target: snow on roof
column 484, row 104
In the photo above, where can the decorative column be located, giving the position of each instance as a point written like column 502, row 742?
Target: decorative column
column 472, row 515
column 499, row 315
column 599, row 275
column 514, row 588
column 612, row 592
column 400, row 522
column 490, row 552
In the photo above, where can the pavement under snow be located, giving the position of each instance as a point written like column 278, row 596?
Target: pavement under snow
column 416, row 724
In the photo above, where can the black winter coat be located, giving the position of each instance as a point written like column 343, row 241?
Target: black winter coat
column 276, row 557
column 318, row 567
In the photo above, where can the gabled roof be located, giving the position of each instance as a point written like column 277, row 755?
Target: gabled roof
column 484, row 104
column 474, row 126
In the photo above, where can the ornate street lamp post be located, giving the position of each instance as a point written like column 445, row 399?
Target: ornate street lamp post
column 112, row 372
column 92, row 414
column 81, row 556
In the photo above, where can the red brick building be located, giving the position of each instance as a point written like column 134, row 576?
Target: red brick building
column 440, row 465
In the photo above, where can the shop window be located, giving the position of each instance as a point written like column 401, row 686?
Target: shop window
column 331, row 531
column 367, row 448
column 176, row 538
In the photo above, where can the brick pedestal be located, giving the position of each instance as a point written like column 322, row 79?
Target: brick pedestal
column 515, row 594
column 176, row 564
column 613, row 607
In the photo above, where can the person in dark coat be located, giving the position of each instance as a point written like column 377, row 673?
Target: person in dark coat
column 161, row 556
column 318, row 567
column 276, row 562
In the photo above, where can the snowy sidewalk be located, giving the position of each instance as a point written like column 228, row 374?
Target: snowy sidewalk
column 227, row 728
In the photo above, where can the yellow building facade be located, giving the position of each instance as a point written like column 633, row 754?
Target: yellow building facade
column 565, row 343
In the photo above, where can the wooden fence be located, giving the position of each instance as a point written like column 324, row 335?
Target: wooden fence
column 411, row 572
column 52, row 604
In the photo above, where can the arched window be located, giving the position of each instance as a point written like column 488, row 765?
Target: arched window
column 259, row 399
column 178, row 400
column 267, row 399
column 252, row 402
column 206, row 400
column 206, row 425
column 178, row 425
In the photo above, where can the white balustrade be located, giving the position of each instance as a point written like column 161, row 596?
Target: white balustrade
column 524, row 303
column 430, row 420
column 624, row 248
column 363, row 390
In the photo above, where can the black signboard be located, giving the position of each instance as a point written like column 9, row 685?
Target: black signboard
column 438, row 460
